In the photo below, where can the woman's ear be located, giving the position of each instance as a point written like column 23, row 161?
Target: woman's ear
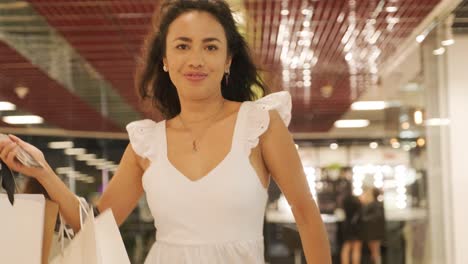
column 228, row 62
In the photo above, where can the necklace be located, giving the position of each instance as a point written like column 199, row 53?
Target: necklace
column 195, row 147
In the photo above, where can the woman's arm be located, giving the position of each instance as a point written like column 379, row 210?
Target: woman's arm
column 283, row 162
column 125, row 188
column 121, row 195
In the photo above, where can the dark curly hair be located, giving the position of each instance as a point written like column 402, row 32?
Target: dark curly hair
column 153, row 83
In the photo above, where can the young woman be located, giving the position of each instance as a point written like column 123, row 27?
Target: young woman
column 373, row 217
column 206, row 168
column 351, row 227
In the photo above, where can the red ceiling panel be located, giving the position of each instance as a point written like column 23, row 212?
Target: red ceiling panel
column 46, row 97
column 365, row 26
column 109, row 34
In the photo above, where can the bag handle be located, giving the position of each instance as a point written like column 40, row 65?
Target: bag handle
column 63, row 231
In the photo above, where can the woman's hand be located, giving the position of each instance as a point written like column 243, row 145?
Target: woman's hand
column 9, row 147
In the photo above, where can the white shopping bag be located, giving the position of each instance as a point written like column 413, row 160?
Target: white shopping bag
column 109, row 241
column 21, row 229
column 26, row 228
column 98, row 242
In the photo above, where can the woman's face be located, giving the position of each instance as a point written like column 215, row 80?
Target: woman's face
column 196, row 55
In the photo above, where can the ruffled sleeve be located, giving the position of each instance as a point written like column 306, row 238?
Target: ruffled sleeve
column 141, row 134
column 258, row 117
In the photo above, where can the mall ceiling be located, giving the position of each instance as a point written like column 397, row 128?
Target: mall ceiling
column 72, row 62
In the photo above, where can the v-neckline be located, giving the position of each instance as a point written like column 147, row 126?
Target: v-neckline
column 219, row 164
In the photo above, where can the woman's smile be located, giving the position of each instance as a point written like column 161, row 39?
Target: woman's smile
column 195, row 76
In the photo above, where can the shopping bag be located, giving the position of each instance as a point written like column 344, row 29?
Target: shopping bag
column 26, row 228
column 98, row 241
column 50, row 219
column 109, row 241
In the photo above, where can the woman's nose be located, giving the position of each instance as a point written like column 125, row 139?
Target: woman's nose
column 196, row 59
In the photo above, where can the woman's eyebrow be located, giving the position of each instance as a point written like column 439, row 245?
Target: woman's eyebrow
column 186, row 39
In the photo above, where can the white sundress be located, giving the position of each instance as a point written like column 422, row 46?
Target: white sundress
column 218, row 218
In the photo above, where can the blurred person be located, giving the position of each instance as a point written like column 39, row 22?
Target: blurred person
column 205, row 169
column 351, row 227
column 373, row 220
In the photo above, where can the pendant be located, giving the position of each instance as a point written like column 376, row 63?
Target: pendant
column 194, row 146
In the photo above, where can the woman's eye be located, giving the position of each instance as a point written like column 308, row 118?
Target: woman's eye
column 182, row 46
column 212, row 48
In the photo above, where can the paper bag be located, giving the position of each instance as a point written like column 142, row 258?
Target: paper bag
column 26, row 228
column 50, row 218
column 98, row 242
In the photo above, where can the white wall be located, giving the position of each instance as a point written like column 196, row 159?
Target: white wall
column 457, row 76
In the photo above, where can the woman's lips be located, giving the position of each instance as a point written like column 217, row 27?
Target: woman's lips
column 195, row 76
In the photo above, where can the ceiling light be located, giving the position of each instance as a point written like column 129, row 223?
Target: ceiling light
column 392, row 20
column 23, row 119
column 104, row 166
column 368, row 105
column 352, row 123
column 447, row 42
column 349, row 56
column 74, row 174
column 21, row 91
column 74, row 151
column 14, row 5
column 334, row 146
column 374, row 145
column 89, row 179
column 91, row 162
column 86, row 157
column 418, row 117
column 305, row 34
column 437, row 122
column 340, row 17
column 421, row 142
column 411, row 87
column 326, row 91
column 7, row 106
column 391, row 9
column 420, row 38
column 63, row 170
column 306, row 11
column 95, row 162
column 306, row 24
column 396, row 144
column 439, row 51
column 405, row 125
column 60, row 144
column 284, row 12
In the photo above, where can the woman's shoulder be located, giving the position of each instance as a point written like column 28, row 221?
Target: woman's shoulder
column 266, row 114
column 143, row 123
column 141, row 132
column 278, row 104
